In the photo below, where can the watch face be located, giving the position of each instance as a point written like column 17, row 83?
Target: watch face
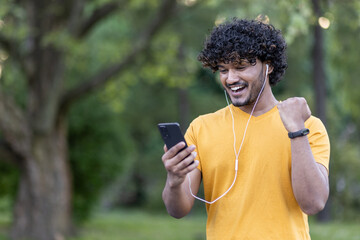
column 299, row 133
column 305, row 131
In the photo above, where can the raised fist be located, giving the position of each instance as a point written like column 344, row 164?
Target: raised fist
column 294, row 112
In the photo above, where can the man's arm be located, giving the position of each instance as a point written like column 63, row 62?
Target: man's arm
column 176, row 194
column 309, row 179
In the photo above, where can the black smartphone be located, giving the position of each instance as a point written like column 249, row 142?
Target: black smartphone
column 171, row 134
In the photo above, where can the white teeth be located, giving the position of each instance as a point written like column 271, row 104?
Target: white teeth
column 236, row 88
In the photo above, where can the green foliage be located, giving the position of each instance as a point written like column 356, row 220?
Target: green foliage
column 97, row 149
column 13, row 81
column 343, row 110
column 8, row 182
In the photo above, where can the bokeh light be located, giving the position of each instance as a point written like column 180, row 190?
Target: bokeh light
column 324, row 22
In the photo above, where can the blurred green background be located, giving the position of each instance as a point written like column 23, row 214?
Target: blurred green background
column 101, row 74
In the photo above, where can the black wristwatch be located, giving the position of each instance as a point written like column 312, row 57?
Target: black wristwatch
column 300, row 133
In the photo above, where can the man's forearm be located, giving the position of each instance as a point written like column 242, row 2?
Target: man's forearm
column 177, row 199
column 309, row 179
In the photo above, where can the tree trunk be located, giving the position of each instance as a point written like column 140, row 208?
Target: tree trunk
column 319, row 76
column 319, row 79
column 43, row 205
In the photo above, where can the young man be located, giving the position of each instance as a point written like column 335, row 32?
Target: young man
column 263, row 162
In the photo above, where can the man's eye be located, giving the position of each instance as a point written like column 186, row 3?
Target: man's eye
column 223, row 70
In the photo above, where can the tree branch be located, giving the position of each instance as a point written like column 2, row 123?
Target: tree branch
column 13, row 126
column 164, row 12
column 76, row 11
column 98, row 15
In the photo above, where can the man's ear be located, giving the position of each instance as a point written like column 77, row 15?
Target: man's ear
column 271, row 68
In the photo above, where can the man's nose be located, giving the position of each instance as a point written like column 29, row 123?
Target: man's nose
column 232, row 77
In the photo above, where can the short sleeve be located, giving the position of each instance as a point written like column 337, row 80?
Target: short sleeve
column 319, row 141
column 191, row 139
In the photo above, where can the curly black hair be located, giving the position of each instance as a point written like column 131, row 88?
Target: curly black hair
column 238, row 40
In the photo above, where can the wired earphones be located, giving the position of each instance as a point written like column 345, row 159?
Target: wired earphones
column 237, row 153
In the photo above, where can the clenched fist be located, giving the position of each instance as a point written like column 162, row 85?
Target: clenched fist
column 294, row 112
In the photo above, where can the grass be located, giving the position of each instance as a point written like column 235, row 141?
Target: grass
column 136, row 224
column 142, row 225
column 335, row 231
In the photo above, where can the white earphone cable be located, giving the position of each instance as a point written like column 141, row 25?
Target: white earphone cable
column 237, row 153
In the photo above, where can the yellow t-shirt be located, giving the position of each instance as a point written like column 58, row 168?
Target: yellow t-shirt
column 261, row 205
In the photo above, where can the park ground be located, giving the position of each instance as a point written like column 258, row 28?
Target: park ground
column 143, row 225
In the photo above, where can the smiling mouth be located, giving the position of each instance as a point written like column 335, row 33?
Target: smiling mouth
column 238, row 88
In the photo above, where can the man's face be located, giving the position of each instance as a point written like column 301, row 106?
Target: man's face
column 242, row 81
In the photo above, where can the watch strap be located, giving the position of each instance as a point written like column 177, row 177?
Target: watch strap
column 300, row 133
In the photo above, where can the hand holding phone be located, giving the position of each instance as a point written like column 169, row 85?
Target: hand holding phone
column 178, row 163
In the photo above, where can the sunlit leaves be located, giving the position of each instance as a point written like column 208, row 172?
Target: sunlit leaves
column 118, row 91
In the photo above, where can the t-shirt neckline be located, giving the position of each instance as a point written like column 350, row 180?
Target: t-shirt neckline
column 240, row 112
